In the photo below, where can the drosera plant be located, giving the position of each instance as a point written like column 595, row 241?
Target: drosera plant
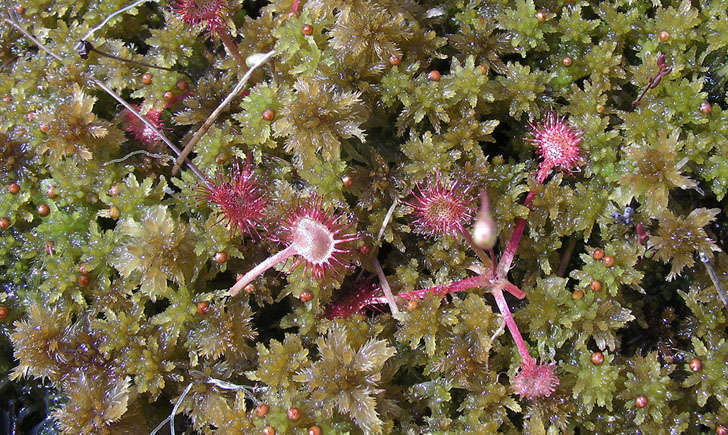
column 442, row 210
column 240, row 198
column 186, row 346
column 211, row 13
column 319, row 237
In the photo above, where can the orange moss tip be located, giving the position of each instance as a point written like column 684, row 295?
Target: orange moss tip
column 83, row 280
column 567, row 61
column 4, row 223
column 51, row 191
column 434, row 76
column 598, row 254
column 394, row 60
column 608, row 261
column 540, row 16
column 705, row 108
column 44, row 210
column 577, row 294
column 595, row 285
column 664, row 36
column 535, row 380
column 220, row 257
column 314, row 430
column 597, row 358
column 13, row 188
column 307, row 29
column 346, row 180
column 147, row 78
column 114, row 190
column 293, row 413
column 261, row 410
column 306, row 296
column 269, row 114
column 695, row 364
column 203, row 307
column 641, row 401
column 3, row 312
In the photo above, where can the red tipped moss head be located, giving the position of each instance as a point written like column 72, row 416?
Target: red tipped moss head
column 352, row 301
column 240, row 197
column 535, row 380
column 441, row 209
column 319, row 238
column 558, row 145
column 210, row 12
column 141, row 131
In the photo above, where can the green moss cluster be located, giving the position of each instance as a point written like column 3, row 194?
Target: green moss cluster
column 114, row 270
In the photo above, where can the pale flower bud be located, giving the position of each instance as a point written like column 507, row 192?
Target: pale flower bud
column 485, row 231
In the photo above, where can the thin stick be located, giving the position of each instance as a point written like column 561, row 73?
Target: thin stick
column 133, row 153
column 213, row 116
column 116, row 97
column 566, row 257
column 387, row 217
column 164, row 138
column 715, row 278
column 135, row 62
column 113, row 14
column 170, row 419
column 386, row 288
column 32, row 38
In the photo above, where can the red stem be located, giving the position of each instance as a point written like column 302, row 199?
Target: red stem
column 442, row 290
column 507, row 258
column 231, row 45
column 512, row 326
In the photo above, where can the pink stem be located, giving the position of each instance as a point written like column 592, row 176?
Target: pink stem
column 512, row 289
column 512, row 326
column 441, row 290
column 294, row 8
column 262, row 267
column 231, row 45
column 507, row 258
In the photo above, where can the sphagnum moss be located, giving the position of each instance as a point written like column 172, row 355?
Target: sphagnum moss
column 114, row 270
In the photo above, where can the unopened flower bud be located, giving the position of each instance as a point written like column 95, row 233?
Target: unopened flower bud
column 485, row 231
